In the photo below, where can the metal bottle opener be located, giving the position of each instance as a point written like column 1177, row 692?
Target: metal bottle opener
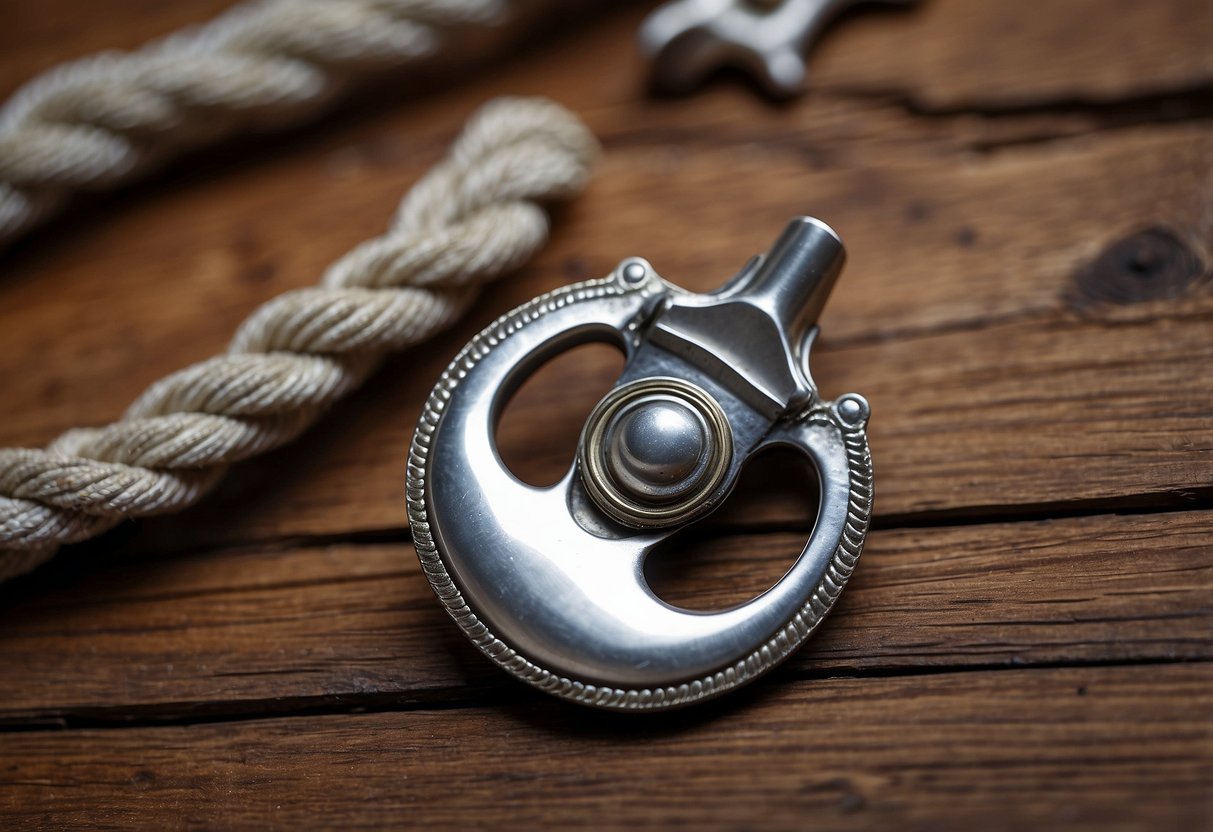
column 549, row 582
column 687, row 39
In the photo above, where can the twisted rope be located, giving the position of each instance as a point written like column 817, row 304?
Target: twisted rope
column 97, row 122
column 471, row 219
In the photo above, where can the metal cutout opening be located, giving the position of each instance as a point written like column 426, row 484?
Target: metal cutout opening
column 539, row 427
column 732, row 556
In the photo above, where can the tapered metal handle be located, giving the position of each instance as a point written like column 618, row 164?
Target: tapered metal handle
column 794, row 279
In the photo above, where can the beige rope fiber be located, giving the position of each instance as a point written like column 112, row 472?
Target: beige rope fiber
column 95, row 123
column 472, row 218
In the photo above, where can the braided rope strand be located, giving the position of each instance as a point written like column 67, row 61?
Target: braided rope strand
column 97, row 122
column 472, row 218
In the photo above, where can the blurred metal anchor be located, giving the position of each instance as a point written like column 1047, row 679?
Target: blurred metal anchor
column 769, row 39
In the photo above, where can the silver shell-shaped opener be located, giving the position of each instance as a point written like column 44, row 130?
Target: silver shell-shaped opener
column 549, row 582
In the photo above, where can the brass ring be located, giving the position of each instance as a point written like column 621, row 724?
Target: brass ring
column 607, row 494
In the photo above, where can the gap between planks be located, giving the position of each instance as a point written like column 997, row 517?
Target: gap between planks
column 761, row 515
column 503, row 692
column 344, row 628
column 1109, row 749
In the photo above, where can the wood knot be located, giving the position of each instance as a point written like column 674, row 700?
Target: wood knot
column 1153, row 264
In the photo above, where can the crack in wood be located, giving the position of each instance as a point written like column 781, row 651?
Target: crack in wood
column 494, row 694
column 1185, row 104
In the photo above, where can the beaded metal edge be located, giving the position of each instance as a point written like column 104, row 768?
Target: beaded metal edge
column 786, row 640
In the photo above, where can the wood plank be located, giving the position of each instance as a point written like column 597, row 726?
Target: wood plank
column 246, row 631
column 1025, row 197
column 1042, row 749
column 1021, row 417
column 946, row 53
column 341, row 479
column 944, row 243
column 240, row 235
column 956, row 54
column 37, row 35
column 932, row 246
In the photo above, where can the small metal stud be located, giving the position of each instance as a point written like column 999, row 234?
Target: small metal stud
column 655, row 449
column 852, row 409
column 634, row 272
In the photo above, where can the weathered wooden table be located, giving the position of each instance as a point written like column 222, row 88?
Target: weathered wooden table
column 1026, row 194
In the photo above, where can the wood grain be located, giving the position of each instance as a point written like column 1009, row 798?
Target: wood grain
column 951, row 54
column 37, row 35
column 229, row 632
column 949, row 339
column 948, row 751
column 961, row 269
column 149, row 295
column 1025, row 197
column 1020, row 417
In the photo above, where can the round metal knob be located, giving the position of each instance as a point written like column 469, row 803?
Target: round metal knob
column 655, row 448
column 654, row 451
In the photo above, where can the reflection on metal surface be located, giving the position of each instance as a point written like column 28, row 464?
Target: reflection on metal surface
column 549, row 582
column 653, row 450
